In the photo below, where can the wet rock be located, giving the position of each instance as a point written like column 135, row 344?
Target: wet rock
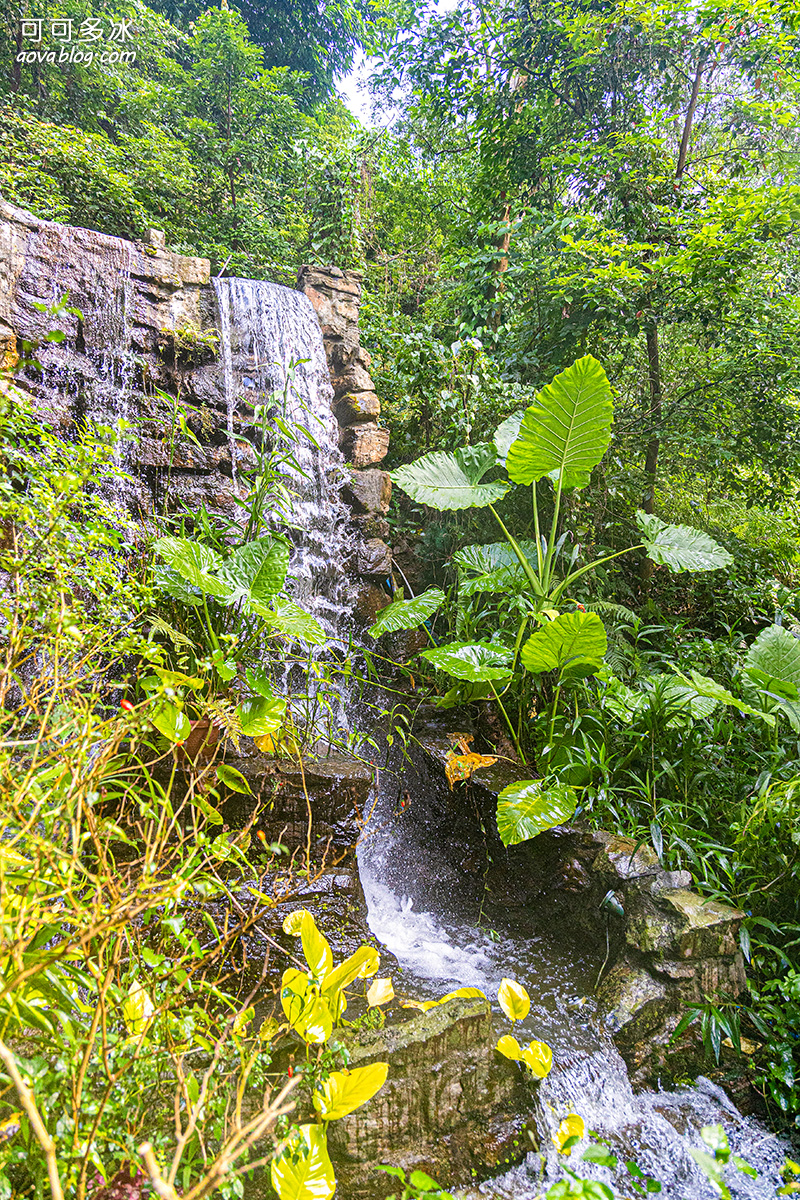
column 369, row 491
column 632, row 1003
column 450, row 1105
column 374, row 558
column 363, row 445
column 369, row 602
column 708, row 928
column 331, row 794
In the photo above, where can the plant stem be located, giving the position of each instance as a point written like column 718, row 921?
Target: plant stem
column 511, row 729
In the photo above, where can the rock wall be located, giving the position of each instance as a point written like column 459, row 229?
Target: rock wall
column 336, row 296
column 148, row 336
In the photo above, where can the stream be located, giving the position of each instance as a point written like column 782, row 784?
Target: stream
column 430, row 916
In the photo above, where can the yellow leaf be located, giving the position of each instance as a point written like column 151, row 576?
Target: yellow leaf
column 268, row 1029
column 304, row 1170
column 363, row 963
column 422, row 1005
column 466, row 993
column 306, row 1011
column 315, row 947
column 10, row 1126
column 572, row 1127
column 344, row 1091
column 510, row 1047
column 380, row 992
column 539, row 1057
column 137, row 1010
column 514, row 1000
column 460, row 767
column 265, row 744
column 291, row 924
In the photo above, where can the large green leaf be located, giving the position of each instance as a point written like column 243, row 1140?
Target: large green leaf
column 261, row 715
column 304, row 1170
column 472, row 661
column 449, row 481
column 194, row 563
column 574, row 644
column 527, row 808
column 680, row 547
column 506, row 434
column 292, row 621
column 709, row 688
column 774, row 660
column 175, row 585
column 407, row 614
column 567, row 428
column 256, row 570
column 497, row 566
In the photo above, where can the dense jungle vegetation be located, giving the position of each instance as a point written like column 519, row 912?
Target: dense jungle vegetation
column 604, row 193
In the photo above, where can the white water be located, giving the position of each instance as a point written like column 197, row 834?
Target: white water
column 273, row 355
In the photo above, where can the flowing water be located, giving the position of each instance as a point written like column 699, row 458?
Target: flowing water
column 273, row 358
column 430, row 915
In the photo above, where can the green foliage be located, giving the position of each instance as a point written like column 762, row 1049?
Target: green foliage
column 528, row 808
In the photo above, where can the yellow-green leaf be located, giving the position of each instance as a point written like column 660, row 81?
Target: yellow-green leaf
column 380, row 992
column 539, row 1057
column 315, row 947
column 571, row 1129
column 304, row 1170
column 514, row 1000
column 291, row 924
column 344, row 1091
column 137, row 1010
column 510, row 1047
column 294, row 993
column 363, row 963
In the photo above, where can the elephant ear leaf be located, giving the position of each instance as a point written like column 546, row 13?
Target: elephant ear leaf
column 574, row 644
column 448, row 481
column 567, row 429
column 530, row 807
column 506, row 434
column 407, row 614
column 257, row 570
column 473, row 662
column 773, row 661
column 195, row 563
column 680, row 547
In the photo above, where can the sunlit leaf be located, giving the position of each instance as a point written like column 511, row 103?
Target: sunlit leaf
column 260, row 715
column 514, row 1000
column 472, row 661
column 170, row 722
column 574, row 644
column 571, row 1129
column 448, row 481
column 567, row 428
column 317, row 952
column 680, row 547
column 507, row 433
column 256, row 571
column 293, row 922
column 380, row 992
column 344, row 1091
column 528, row 808
column 407, row 614
column 196, row 564
column 233, row 779
column 539, row 1057
column 362, row 964
column 510, row 1047
column 304, row 1170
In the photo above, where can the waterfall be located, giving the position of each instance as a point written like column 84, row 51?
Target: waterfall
column 273, row 356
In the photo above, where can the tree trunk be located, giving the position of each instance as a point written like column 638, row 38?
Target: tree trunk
column 655, row 400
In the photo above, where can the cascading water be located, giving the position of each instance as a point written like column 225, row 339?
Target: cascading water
column 433, row 918
column 273, row 355
column 101, row 391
